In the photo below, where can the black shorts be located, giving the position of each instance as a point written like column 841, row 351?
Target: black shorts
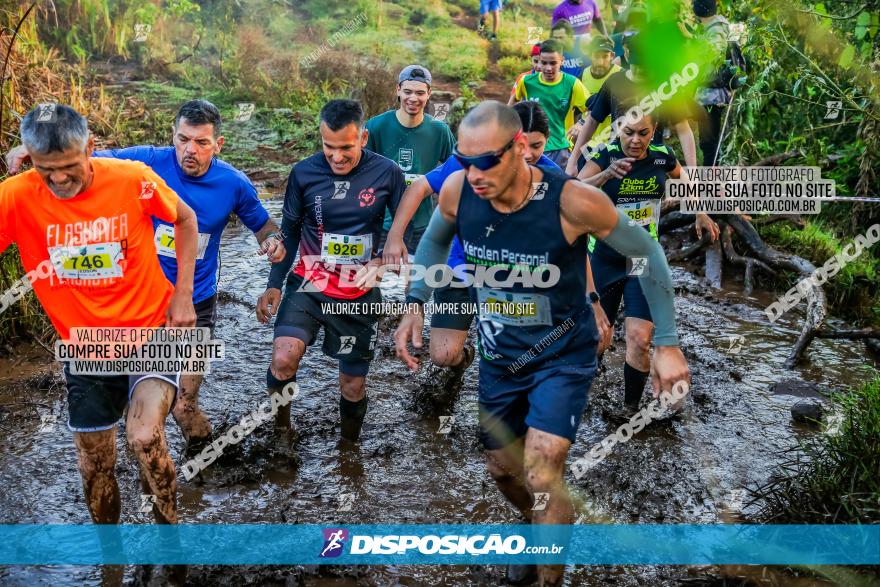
column 613, row 285
column 97, row 402
column 454, row 320
column 206, row 313
column 350, row 331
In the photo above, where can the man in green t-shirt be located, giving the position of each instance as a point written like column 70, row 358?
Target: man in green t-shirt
column 559, row 94
column 416, row 141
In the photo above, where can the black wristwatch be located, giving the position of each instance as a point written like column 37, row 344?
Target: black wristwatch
column 594, row 297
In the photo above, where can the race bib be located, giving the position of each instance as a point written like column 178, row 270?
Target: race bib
column 642, row 213
column 346, row 249
column 94, row 261
column 409, row 178
column 514, row 309
column 165, row 242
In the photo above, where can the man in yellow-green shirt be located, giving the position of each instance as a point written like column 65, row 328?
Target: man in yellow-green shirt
column 562, row 96
column 602, row 55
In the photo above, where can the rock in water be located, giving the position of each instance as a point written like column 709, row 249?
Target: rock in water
column 807, row 412
column 796, row 387
column 714, row 264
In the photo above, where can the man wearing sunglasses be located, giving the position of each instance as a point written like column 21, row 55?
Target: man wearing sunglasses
column 537, row 336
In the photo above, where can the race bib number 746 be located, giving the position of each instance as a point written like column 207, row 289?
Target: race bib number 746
column 94, row 261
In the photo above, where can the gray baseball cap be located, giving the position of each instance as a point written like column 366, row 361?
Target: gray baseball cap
column 415, row 73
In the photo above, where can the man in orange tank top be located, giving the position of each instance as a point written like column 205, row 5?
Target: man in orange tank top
column 85, row 235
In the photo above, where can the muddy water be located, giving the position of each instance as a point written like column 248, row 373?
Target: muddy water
column 687, row 470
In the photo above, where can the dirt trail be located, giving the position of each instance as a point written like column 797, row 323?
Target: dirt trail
column 688, row 470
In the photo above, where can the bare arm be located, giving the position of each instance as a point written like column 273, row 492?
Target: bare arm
column 272, row 247
column 666, row 203
column 267, row 229
column 702, row 221
column 688, row 144
column 395, row 249
column 586, row 133
column 186, row 238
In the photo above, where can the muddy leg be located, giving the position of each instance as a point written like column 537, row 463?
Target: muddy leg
column 544, row 458
column 96, row 452
column 192, row 421
column 287, row 352
column 447, row 346
column 638, row 359
column 505, row 465
column 145, row 428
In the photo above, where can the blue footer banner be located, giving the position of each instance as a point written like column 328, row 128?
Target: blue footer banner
column 271, row 544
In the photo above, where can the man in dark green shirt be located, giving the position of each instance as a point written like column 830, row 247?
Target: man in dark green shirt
column 415, row 140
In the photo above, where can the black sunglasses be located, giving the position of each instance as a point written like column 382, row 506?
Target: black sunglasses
column 486, row 161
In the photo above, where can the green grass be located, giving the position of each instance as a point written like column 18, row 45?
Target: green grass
column 833, row 477
column 24, row 318
column 511, row 66
column 397, row 34
column 456, row 53
column 853, row 292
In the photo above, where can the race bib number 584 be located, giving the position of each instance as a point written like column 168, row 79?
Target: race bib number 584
column 642, row 213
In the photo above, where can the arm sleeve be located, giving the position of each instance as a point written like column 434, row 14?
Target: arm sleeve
column 291, row 228
column 145, row 155
column 433, row 249
column 248, row 206
column 292, row 232
column 631, row 240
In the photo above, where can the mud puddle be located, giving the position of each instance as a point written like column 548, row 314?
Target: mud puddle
column 691, row 469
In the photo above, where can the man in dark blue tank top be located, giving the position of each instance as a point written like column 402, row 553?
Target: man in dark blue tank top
column 527, row 227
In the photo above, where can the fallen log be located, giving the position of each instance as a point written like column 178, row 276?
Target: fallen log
column 816, row 302
column 794, row 219
column 778, row 159
column 862, row 333
column 748, row 262
column 689, row 251
column 714, row 264
column 674, row 219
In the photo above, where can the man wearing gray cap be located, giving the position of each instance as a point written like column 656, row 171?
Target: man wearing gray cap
column 416, row 141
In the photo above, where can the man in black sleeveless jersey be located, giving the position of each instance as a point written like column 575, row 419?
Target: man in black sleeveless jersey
column 524, row 233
